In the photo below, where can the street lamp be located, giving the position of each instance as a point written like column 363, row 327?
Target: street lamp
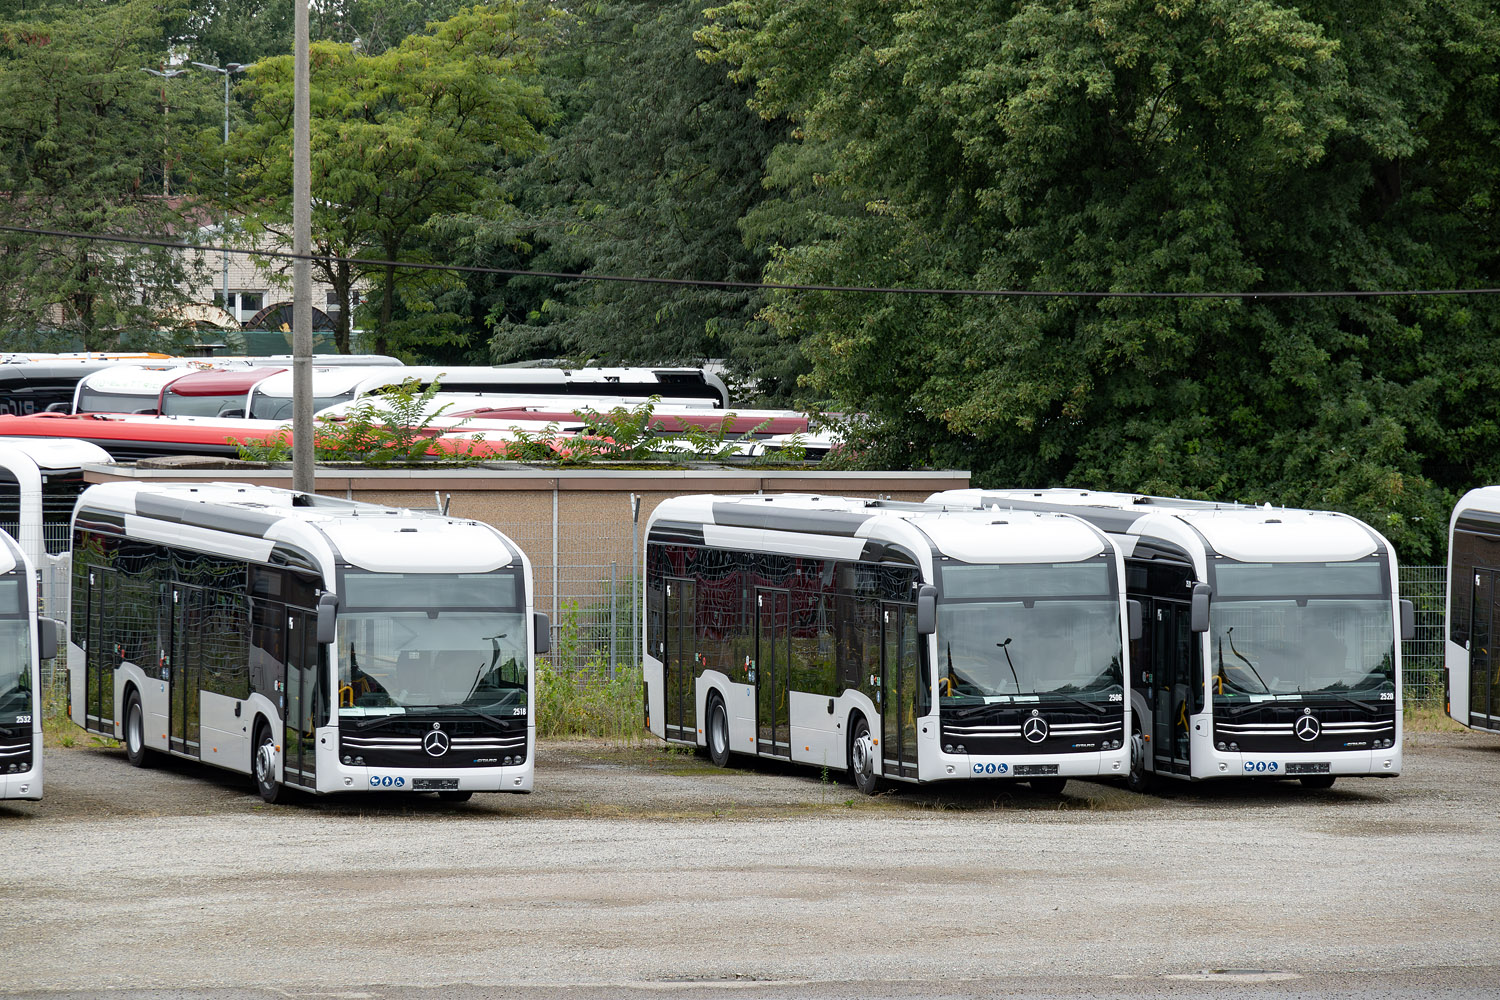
column 166, row 109
column 226, row 71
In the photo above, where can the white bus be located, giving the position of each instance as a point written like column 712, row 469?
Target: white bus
column 271, row 399
column 24, row 641
column 1473, row 611
column 894, row 641
column 316, row 643
column 1273, row 638
column 40, row 479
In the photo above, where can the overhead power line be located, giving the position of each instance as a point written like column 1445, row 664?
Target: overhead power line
column 997, row 293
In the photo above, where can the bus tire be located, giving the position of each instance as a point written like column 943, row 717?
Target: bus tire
column 263, row 763
column 718, row 731
column 135, row 731
column 862, row 757
column 1048, row 786
column 1318, row 781
column 457, row 795
column 1138, row 779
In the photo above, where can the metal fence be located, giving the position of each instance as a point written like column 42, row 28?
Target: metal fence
column 1422, row 657
column 595, row 611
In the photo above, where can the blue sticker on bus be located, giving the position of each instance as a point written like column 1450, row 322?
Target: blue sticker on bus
column 1002, row 768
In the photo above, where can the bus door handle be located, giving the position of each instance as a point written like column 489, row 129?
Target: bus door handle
column 830, row 706
column 236, row 710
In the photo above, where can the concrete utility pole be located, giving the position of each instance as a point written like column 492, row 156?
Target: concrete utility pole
column 166, row 138
column 226, row 70
column 302, row 410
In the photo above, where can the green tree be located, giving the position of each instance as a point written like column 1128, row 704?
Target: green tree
column 84, row 144
column 652, row 164
column 397, row 138
column 1125, row 146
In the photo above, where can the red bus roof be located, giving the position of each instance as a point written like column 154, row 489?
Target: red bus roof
column 217, row 382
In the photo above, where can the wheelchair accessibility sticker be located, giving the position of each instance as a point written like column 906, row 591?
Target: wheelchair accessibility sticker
column 386, row 781
column 991, row 768
column 1260, row 766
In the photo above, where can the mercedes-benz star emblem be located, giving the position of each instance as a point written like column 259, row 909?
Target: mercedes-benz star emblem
column 1035, row 730
column 1307, row 728
column 435, row 743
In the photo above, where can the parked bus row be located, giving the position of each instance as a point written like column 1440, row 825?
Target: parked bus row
column 330, row 646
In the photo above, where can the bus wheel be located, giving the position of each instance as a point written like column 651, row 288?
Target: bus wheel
column 265, row 764
column 1048, row 786
column 455, row 796
column 862, row 758
column 1139, row 779
column 135, row 731
column 718, row 732
column 1317, row 781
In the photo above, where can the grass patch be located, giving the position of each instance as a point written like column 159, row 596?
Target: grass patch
column 1429, row 719
column 586, row 701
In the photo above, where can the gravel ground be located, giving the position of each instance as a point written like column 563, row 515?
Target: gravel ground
column 636, row 870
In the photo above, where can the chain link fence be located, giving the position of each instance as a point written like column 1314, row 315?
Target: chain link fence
column 1422, row 657
column 595, row 611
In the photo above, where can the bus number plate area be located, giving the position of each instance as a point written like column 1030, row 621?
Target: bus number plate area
column 1307, row 767
column 1027, row 770
column 434, row 784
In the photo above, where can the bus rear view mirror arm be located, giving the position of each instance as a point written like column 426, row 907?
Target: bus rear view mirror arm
column 1408, row 620
column 328, row 606
column 1199, row 612
column 926, row 609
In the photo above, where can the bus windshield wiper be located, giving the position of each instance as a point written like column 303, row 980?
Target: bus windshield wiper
column 1230, row 633
column 1091, row 706
column 1348, row 699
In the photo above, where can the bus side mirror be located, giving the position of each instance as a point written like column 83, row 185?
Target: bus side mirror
column 328, row 606
column 927, row 609
column 1199, row 614
column 1137, row 619
column 59, row 408
column 1408, row 620
column 46, row 638
column 543, row 628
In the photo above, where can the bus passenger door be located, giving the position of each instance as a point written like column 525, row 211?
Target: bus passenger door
column 898, row 689
column 773, row 731
column 186, row 668
column 100, row 656
column 1172, row 679
column 299, row 760
column 677, row 660
column 1484, row 691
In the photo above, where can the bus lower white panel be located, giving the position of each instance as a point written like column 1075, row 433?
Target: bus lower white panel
column 224, row 736
column 1349, row 763
column 739, row 702
column 656, row 698
column 1457, row 659
column 25, row 784
column 334, row 776
column 77, row 675
column 815, row 740
column 939, row 766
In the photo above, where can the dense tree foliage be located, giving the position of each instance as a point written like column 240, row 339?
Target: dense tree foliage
column 652, row 164
column 1126, row 146
column 397, row 139
column 84, row 143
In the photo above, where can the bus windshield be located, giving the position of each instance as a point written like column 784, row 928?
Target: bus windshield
column 1298, row 629
column 1029, row 633
column 174, row 405
column 15, row 670
column 425, row 642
